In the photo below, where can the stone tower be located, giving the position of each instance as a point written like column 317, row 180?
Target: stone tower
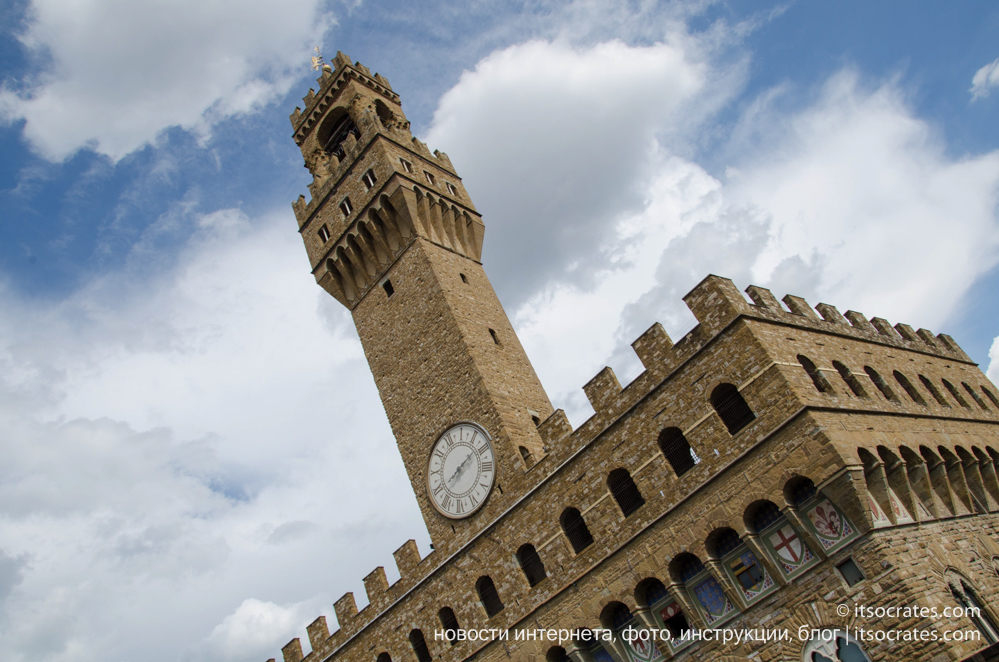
column 392, row 235
column 782, row 484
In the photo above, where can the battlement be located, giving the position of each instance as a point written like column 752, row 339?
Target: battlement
column 332, row 80
column 717, row 304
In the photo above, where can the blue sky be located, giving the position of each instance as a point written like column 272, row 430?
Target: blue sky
column 190, row 435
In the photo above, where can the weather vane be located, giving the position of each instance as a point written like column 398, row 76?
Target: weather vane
column 317, row 60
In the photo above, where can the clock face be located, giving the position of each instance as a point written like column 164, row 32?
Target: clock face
column 461, row 471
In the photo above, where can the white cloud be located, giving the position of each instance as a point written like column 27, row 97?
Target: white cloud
column 190, row 448
column 154, row 66
column 554, row 142
column 984, row 79
column 596, row 220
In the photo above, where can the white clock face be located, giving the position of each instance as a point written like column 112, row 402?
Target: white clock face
column 461, row 471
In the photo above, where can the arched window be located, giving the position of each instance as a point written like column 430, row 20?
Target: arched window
column 531, row 564
column 974, row 396
column 800, row 490
column 384, row 657
column 488, row 595
column 850, row 379
column 677, row 451
column 881, row 384
column 731, row 407
column 740, row 563
column 383, row 112
column 333, row 134
column 702, row 587
column 450, row 624
column 557, row 654
column 991, row 396
column 821, row 385
column 779, row 538
column 934, row 391
column 904, row 382
column 842, row 648
column 957, row 396
column 666, row 611
column 525, row 455
column 976, row 613
column 419, row 645
column 624, row 491
column 575, row 529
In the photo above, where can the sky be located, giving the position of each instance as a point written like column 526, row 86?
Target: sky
column 194, row 462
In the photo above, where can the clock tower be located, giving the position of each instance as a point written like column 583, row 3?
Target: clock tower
column 392, row 235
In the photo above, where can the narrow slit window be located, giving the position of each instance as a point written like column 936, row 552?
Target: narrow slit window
column 369, row 178
column 974, row 396
column 821, row 385
column 990, row 396
column 934, row 391
column 346, row 207
column 904, row 382
column 957, row 396
column 387, row 286
column 406, row 165
column 881, row 384
column 430, row 178
column 850, row 379
column 494, row 336
column 464, row 279
column 324, row 233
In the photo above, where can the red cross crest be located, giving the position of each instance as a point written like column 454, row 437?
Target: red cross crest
column 786, row 544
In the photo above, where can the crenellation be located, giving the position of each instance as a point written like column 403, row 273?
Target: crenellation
column 799, row 306
column 885, row 328
column 654, row 349
column 927, row 337
column 715, row 302
column 318, row 632
column 376, row 586
column 346, row 609
column 763, row 298
column 753, row 400
column 292, row 651
column 407, row 558
column 831, row 314
column 602, row 389
column 907, row 332
column 554, row 429
column 859, row 322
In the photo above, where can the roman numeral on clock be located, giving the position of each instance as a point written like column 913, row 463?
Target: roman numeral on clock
column 446, row 502
column 487, row 466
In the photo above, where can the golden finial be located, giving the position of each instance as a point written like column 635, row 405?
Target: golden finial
column 317, row 60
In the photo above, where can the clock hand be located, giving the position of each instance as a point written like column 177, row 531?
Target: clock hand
column 459, row 470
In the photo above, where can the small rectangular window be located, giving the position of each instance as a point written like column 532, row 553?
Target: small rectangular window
column 387, row 286
column 369, row 178
column 450, row 188
column 850, row 572
column 406, row 165
column 346, row 207
column 430, row 178
column 324, row 233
